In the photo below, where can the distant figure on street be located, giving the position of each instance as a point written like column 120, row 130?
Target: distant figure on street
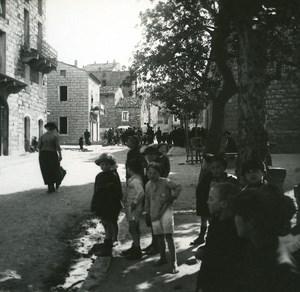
column 34, row 145
column 50, row 156
column 81, row 143
column 158, row 135
column 87, row 136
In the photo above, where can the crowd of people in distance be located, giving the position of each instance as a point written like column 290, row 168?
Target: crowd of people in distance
column 147, row 135
column 246, row 242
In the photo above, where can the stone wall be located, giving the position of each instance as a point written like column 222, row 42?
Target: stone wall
column 282, row 115
column 30, row 102
column 77, row 107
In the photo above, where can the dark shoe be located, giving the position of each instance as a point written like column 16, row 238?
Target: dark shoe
column 51, row 189
column 146, row 249
column 199, row 240
column 135, row 254
column 127, row 252
column 152, row 251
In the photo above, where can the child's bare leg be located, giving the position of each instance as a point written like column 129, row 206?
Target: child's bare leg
column 162, row 249
column 172, row 251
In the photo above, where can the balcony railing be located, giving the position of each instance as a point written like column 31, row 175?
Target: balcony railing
column 35, row 50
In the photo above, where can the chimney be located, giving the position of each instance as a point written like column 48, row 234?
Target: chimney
column 75, row 63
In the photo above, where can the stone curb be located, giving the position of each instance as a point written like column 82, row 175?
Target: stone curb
column 100, row 267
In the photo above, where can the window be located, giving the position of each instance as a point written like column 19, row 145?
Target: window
column 41, row 81
column 103, row 82
column 125, row 116
column 40, row 7
column 2, row 52
column 34, row 76
column 63, row 125
column 63, row 93
column 2, row 7
column 63, row 73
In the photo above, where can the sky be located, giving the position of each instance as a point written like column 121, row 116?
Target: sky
column 94, row 30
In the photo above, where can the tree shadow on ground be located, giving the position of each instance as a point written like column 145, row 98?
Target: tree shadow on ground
column 36, row 229
column 126, row 275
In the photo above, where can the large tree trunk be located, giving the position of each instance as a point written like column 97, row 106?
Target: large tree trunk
column 220, row 55
column 252, row 136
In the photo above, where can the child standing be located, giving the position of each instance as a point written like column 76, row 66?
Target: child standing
column 258, row 219
column 160, row 193
column 133, row 203
column 106, row 202
column 223, row 249
column 216, row 173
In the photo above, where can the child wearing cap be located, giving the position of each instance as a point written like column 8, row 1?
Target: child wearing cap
column 106, row 202
column 254, row 171
column 216, row 173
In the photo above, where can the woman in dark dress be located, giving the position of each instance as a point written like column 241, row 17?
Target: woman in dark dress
column 49, row 157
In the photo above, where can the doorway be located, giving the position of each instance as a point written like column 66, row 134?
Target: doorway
column 26, row 133
column 41, row 124
column 3, row 127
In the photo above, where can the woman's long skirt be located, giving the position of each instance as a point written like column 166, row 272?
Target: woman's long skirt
column 49, row 165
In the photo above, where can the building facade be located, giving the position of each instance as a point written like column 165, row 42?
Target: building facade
column 25, row 61
column 74, row 102
column 118, row 97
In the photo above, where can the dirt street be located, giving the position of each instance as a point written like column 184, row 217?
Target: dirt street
column 36, row 227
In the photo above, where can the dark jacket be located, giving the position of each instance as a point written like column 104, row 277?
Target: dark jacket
column 222, row 257
column 107, row 196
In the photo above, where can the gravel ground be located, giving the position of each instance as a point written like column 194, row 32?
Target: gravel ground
column 36, row 228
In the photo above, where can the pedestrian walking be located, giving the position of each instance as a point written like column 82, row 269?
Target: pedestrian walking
column 133, row 204
column 106, row 202
column 80, row 142
column 50, row 157
column 160, row 193
column 87, row 136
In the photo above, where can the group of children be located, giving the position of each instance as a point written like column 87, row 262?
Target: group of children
column 241, row 229
column 154, row 193
column 242, row 250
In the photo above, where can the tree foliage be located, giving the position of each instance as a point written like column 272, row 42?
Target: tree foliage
column 185, row 41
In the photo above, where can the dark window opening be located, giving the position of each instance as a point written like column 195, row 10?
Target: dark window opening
column 63, row 73
column 63, row 93
column 103, row 82
column 2, row 8
column 34, row 76
column 40, row 7
column 63, row 125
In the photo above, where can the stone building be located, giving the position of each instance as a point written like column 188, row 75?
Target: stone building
column 25, row 61
column 121, row 105
column 154, row 114
column 74, row 102
column 282, row 112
